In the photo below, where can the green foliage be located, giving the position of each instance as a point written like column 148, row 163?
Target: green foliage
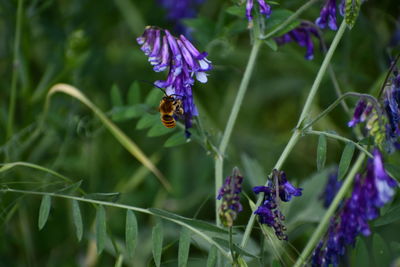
column 101, row 229
column 44, row 211
column 157, row 243
column 321, row 152
column 345, row 160
column 184, row 246
column 131, row 233
column 77, row 218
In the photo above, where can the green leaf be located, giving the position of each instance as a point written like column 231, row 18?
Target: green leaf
column 201, row 225
column 70, row 188
column 176, row 139
column 321, row 152
column 157, row 240
column 154, row 97
column 345, row 160
column 272, row 44
column 101, row 229
column 393, row 170
column 148, row 120
column 123, row 113
column 238, row 11
column 391, row 216
column 212, row 256
column 131, row 233
column 110, row 197
column 77, row 219
column 380, row 250
column 184, row 246
column 360, row 256
column 116, row 97
column 225, row 243
column 44, row 211
column 134, row 94
column 159, row 129
column 352, row 9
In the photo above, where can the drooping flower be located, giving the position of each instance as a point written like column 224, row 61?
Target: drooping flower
column 370, row 192
column 327, row 16
column 331, row 188
column 268, row 212
column 184, row 63
column 180, row 9
column 230, row 195
column 264, row 9
column 302, row 35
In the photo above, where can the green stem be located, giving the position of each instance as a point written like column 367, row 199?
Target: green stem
column 332, row 208
column 291, row 18
column 14, row 78
column 296, row 134
column 341, row 138
column 231, row 121
column 126, row 207
column 321, row 72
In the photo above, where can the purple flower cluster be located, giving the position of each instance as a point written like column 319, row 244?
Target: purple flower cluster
column 180, row 9
column 327, row 16
column 230, row 195
column 268, row 212
column 371, row 191
column 183, row 62
column 302, row 35
column 382, row 124
column 331, row 188
column 264, row 8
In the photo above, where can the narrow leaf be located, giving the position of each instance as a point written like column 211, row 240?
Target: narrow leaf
column 154, row 97
column 158, row 129
column 345, row 160
column 391, row 216
column 110, row 197
column 272, row 44
column 134, row 94
column 157, row 239
column 131, row 232
column 44, row 211
column 212, row 256
column 101, row 229
column 77, row 218
column 116, row 97
column 393, row 170
column 321, row 152
column 184, row 246
column 148, row 120
column 360, row 255
column 175, row 140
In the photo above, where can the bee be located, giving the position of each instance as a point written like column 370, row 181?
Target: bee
column 170, row 107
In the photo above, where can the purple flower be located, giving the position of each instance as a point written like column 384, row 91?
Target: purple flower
column 230, row 195
column 327, row 16
column 302, row 35
column 359, row 110
column 264, row 9
column 184, row 63
column 268, row 212
column 370, row 192
column 180, row 9
column 331, row 188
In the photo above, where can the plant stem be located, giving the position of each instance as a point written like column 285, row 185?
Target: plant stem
column 341, row 138
column 321, row 72
column 289, row 19
column 332, row 208
column 232, row 119
column 296, row 134
column 15, row 67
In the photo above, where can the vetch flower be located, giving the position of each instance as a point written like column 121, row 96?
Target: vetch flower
column 264, row 9
column 331, row 188
column 268, row 212
column 302, row 35
column 183, row 62
column 230, row 195
column 370, row 192
column 327, row 16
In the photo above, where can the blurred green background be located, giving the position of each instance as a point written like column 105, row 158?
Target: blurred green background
column 92, row 46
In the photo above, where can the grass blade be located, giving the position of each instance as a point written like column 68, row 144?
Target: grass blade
column 321, row 152
column 157, row 239
column 122, row 138
column 184, row 246
column 345, row 160
column 101, row 229
column 44, row 211
column 131, row 232
column 77, row 218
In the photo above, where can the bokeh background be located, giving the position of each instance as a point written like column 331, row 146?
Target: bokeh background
column 92, row 46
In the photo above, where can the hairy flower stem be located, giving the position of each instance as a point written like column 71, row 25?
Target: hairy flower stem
column 296, row 134
column 312, row 242
column 219, row 159
column 16, row 62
